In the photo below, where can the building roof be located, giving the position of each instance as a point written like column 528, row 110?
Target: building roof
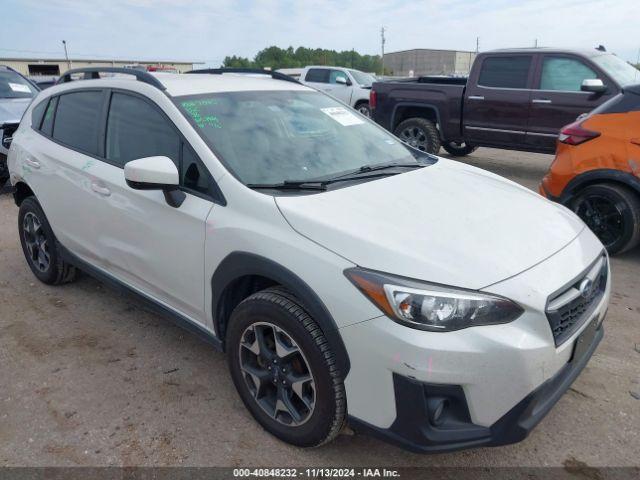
column 429, row 50
column 95, row 60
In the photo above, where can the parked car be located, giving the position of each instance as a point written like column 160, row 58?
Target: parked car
column 513, row 99
column 44, row 81
column 346, row 84
column 596, row 171
column 342, row 271
column 16, row 93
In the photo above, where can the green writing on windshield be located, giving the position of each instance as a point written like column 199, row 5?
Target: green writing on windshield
column 201, row 112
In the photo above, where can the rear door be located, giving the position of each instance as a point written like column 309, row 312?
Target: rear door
column 68, row 147
column 496, row 103
column 557, row 100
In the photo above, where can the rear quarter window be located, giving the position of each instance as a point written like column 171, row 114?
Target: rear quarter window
column 37, row 113
column 505, row 72
column 77, row 120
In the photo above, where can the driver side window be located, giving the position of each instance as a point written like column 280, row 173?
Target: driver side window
column 564, row 74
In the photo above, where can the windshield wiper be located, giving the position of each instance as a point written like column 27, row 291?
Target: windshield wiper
column 289, row 185
column 321, row 185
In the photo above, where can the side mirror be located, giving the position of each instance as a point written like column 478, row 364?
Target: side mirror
column 155, row 173
column 342, row 80
column 594, row 85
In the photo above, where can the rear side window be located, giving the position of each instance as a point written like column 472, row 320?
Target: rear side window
column 505, row 72
column 564, row 74
column 137, row 129
column 319, row 75
column 77, row 120
column 47, row 121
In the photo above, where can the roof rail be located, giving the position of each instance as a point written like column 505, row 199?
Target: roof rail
column 93, row 73
column 260, row 71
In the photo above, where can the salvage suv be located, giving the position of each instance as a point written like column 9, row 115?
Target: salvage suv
column 348, row 276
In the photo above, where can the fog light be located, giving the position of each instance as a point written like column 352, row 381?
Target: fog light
column 437, row 406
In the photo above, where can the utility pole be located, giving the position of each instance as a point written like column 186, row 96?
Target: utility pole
column 382, row 42
column 535, row 43
column 66, row 54
column 477, row 44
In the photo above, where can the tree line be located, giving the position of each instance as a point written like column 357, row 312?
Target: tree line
column 275, row 57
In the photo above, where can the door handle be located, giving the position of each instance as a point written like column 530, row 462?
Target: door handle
column 541, row 100
column 32, row 163
column 100, row 190
column 476, row 97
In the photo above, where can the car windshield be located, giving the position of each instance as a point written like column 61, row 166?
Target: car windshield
column 13, row 85
column 362, row 79
column 623, row 73
column 268, row 137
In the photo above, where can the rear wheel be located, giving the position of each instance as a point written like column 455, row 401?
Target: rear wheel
column 284, row 370
column 612, row 212
column 364, row 109
column 419, row 133
column 458, row 149
column 40, row 247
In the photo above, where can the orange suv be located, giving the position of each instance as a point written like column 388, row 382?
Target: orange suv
column 596, row 172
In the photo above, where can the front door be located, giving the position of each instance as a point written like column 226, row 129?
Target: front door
column 150, row 245
column 496, row 105
column 558, row 100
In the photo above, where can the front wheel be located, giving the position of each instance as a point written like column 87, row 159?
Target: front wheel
column 419, row 133
column 284, row 369
column 612, row 212
column 458, row 149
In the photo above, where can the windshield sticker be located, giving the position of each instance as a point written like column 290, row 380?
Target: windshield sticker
column 203, row 119
column 342, row 116
column 18, row 87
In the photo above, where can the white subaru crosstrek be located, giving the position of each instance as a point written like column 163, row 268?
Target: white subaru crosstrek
column 349, row 277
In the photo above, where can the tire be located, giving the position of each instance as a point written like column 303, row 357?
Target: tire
column 419, row 133
column 276, row 312
column 612, row 212
column 364, row 109
column 40, row 247
column 458, row 149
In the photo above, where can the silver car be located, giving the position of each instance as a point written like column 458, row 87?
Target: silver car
column 16, row 93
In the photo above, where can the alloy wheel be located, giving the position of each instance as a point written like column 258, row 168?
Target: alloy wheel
column 415, row 137
column 277, row 374
column 603, row 216
column 36, row 242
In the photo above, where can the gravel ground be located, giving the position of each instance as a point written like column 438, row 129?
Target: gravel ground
column 87, row 377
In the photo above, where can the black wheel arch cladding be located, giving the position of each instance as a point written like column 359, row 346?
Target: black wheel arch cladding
column 239, row 264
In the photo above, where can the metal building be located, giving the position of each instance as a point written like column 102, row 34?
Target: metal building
column 423, row 61
column 57, row 66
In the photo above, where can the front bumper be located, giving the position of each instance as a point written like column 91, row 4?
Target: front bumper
column 414, row 428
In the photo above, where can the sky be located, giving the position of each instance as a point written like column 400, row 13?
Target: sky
column 208, row 30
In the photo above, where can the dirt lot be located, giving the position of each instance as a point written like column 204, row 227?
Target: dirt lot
column 89, row 378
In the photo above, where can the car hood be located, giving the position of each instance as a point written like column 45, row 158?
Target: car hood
column 447, row 223
column 11, row 109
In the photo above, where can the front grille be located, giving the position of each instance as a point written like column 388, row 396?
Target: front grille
column 6, row 133
column 568, row 309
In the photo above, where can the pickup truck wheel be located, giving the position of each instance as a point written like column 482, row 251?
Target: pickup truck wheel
column 612, row 212
column 458, row 149
column 364, row 109
column 40, row 247
column 284, row 369
column 419, row 133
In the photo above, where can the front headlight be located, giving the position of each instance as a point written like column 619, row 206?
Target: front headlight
column 432, row 307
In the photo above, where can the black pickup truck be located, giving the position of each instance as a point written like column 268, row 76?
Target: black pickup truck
column 512, row 99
